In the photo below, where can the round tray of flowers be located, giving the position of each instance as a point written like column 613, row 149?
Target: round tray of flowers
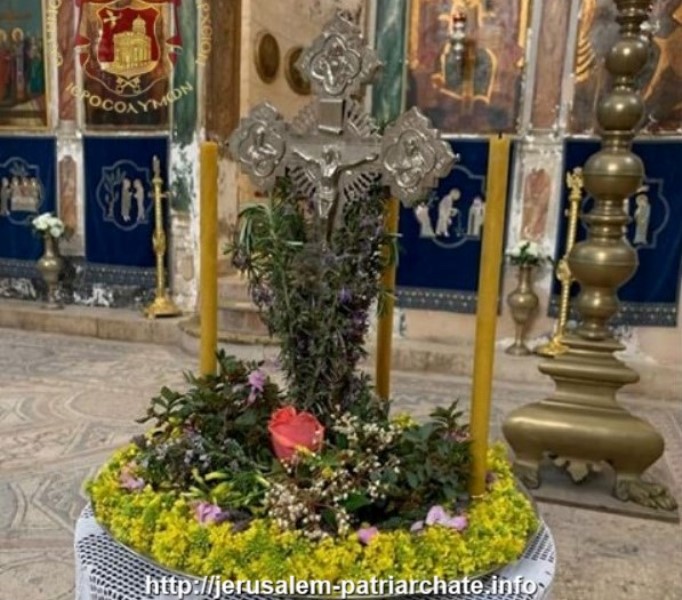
column 247, row 480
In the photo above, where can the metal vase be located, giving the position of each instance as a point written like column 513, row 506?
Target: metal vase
column 523, row 302
column 50, row 266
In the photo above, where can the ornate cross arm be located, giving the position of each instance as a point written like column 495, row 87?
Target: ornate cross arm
column 259, row 144
column 414, row 157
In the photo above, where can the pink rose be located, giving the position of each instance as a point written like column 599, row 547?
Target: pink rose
column 290, row 430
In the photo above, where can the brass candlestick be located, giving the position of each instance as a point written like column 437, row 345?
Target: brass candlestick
column 582, row 425
column 556, row 346
column 163, row 305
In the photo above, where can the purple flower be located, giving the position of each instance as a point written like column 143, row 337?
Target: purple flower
column 128, row 480
column 345, row 295
column 206, row 513
column 367, row 534
column 257, row 381
column 416, row 527
column 436, row 516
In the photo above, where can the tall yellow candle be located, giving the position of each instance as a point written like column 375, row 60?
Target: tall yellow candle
column 385, row 327
column 208, row 281
column 486, row 318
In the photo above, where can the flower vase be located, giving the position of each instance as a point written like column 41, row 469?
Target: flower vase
column 50, row 266
column 523, row 302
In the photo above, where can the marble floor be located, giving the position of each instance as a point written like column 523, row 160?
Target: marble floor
column 66, row 403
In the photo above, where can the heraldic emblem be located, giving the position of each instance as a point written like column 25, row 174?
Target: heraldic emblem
column 128, row 45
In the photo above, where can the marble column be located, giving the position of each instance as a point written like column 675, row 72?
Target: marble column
column 185, row 73
column 391, row 26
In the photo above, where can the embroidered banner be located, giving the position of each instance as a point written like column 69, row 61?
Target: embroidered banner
column 127, row 53
column 119, row 211
column 27, row 189
column 22, row 65
column 651, row 296
column 440, row 245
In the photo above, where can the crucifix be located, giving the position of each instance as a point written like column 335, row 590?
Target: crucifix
column 333, row 150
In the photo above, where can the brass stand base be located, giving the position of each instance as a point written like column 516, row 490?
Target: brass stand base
column 584, row 425
column 594, row 493
column 555, row 347
column 162, row 306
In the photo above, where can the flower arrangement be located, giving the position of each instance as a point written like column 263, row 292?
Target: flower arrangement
column 527, row 253
column 245, row 479
column 48, row 224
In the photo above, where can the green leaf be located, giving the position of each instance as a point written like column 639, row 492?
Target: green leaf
column 413, row 480
column 356, row 501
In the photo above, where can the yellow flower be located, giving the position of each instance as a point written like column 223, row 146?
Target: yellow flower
column 163, row 526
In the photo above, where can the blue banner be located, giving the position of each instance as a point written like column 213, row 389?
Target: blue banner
column 119, row 213
column 440, row 245
column 27, row 188
column 651, row 296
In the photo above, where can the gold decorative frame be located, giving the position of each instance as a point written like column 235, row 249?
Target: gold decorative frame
column 48, row 57
column 267, row 56
column 297, row 82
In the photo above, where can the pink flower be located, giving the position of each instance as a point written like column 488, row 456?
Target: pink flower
column 290, row 430
column 367, row 534
column 128, row 480
column 437, row 515
column 206, row 513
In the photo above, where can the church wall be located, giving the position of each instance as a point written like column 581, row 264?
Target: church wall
column 565, row 46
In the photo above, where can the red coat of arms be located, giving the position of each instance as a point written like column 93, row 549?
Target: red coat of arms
column 128, row 45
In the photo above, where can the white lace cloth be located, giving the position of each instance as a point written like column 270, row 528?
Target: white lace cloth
column 106, row 570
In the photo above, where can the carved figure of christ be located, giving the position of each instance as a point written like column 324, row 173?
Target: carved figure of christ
column 326, row 163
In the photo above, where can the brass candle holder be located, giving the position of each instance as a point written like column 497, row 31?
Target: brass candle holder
column 581, row 425
column 556, row 345
column 163, row 305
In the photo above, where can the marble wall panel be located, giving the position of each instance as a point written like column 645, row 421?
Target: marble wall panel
column 222, row 104
column 66, row 61
column 549, row 62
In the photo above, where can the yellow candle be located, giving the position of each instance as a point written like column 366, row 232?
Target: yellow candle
column 385, row 327
column 208, row 281
column 486, row 318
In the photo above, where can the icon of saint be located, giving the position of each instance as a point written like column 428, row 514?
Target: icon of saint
column 5, row 195
column 476, row 218
column 139, row 197
column 126, row 199
column 6, row 60
column 421, row 212
column 446, row 212
column 642, row 219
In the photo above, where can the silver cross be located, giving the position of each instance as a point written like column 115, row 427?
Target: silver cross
column 333, row 150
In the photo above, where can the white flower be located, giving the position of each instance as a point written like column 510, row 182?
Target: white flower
column 47, row 223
